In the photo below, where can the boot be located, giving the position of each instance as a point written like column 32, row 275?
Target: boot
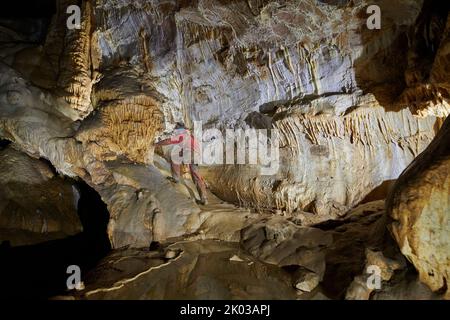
column 172, row 179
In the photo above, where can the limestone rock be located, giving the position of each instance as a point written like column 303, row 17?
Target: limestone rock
column 135, row 68
column 428, row 91
column 307, row 281
column 419, row 206
column 162, row 212
column 43, row 131
column 63, row 63
column 377, row 265
column 358, row 289
column 328, row 164
column 127, row 119
column 407, row 289
column 202, row 270
column 282, row 243
column 35, row 204
column 353, row 108
column 215, row 269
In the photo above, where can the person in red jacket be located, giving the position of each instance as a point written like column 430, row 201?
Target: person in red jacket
column 183, row 138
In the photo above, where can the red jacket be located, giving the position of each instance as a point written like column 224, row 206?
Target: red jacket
column 183, row 137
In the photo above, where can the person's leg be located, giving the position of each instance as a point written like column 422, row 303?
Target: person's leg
column 199, row 183
column 175, row 169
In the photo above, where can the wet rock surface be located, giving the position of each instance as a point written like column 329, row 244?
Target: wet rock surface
column 331, row 262
column 200, row 270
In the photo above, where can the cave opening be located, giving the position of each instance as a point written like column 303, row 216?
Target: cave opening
column 4, row 143
column 41, row 270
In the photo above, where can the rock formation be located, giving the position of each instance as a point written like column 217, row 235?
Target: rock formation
column 420, row 208
column 348, row 109
column 36, row 204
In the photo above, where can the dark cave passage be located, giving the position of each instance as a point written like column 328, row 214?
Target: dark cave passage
column 4, row 143
column 40, row 271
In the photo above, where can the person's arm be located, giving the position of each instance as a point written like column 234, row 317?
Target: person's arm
column 169, row 141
